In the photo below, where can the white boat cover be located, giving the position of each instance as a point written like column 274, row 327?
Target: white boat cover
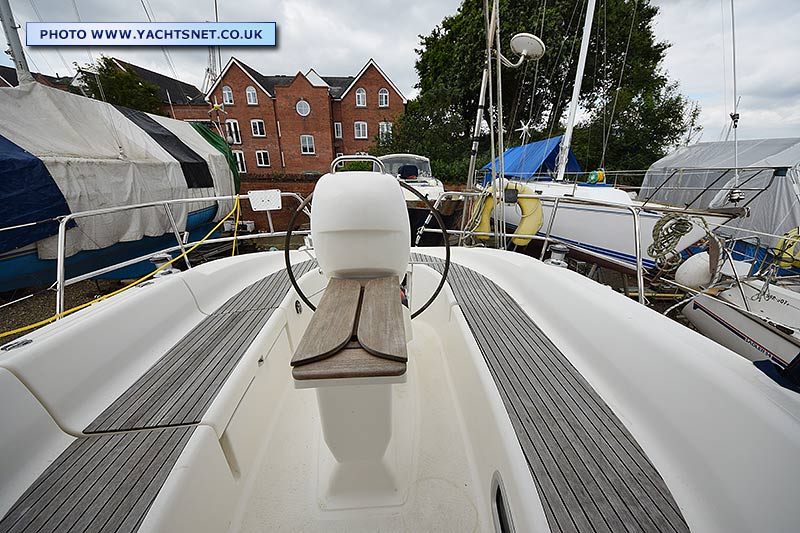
column 770, row 163
column 101, row 156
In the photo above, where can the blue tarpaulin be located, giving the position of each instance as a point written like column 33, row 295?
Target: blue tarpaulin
column 27, row 194
column 535, row 158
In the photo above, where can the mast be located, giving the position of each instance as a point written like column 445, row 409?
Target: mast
column 14, row 44
column 563, row 153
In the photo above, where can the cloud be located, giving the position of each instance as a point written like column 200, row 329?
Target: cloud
column 767, row 49
column 337, row 38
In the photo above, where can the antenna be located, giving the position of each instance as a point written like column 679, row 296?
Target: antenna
column 15, row 46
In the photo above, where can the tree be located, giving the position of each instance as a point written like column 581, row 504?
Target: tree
column 632, row 113
column 105, row 80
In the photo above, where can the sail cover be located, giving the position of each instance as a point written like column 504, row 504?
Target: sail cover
column 528, row 160
column 701, row 176
column 98, row 156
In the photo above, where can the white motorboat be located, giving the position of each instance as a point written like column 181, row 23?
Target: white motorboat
column 216, row 400
column 416, row 171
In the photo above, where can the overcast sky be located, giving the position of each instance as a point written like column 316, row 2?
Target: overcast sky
column 337, row 38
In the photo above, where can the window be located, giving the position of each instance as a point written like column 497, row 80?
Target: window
column 232, row 129
column 307, row 144
column 302, row 108
column 262, row 158
column 385, row 131
column 383, row 98
column 361, row 130
column 257, row 127
column 337, row 130
column 227, row 95
column 341, row 163
column 361, row 98
column 239, row 155
column 252, row 97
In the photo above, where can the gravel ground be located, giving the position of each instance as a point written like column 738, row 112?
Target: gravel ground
column 41, row 304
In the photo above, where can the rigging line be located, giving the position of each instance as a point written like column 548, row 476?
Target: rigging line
column 151, row 18
column 726, row 125
column 29, row 55
column 533, row 93
column 219, row 48
column 605, row 69
column 594, row 88
column 536, row 71
column 540, row 107
column 619, row 85
column 556, row 119
column 735, row 114
column 517, row 98
column 30, row 51
column 70, row 70
column 107, row 107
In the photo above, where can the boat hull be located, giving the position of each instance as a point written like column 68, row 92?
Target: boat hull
column 773, row 337
column 606, row 232
column 747, row 336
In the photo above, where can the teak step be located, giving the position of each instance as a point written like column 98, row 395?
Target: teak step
column 357, row 331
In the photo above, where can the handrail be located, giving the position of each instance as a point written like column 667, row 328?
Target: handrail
column 557, row 200
column 344, row 158
column 166, row 204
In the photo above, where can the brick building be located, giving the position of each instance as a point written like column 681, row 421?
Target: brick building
column 298, row 124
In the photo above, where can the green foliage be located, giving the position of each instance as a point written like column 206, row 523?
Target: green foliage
column 649, row 114
column 104, row 80
column 358, row 166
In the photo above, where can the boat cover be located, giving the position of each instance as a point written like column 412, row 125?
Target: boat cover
column 768, row 165
column 539, row 157
column 99, row 156
column 28, row 194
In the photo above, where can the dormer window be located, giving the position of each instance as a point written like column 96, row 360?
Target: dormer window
column 252, row 97
column 227, row 95
column 383, row 98
column 361, row 98
column 302, row 108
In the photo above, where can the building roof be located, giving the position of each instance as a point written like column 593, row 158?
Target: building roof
column 337, row 85
column 268, row 83
column 372, row 63
column 9, row 76
column 169, row 89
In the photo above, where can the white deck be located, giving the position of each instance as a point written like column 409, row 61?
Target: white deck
column 437, row 486
column 721, row 434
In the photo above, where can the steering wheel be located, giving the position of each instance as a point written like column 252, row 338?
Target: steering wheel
column 406, row 186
